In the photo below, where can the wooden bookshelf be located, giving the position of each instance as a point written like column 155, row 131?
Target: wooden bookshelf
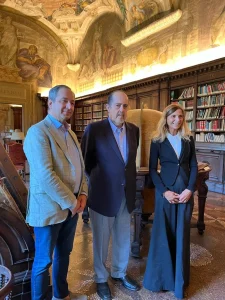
column 210, row 112
column 184, row 96
column 200, row 90
column 86, row 113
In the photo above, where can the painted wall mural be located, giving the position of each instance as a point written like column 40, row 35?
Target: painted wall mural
column 27, row 52
column 101, row 49
column 33, row 67
column 73, row 8
column 141, row 11
column 8, row 42
column 218, row 30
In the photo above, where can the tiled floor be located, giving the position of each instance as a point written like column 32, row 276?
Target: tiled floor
column 207, row 260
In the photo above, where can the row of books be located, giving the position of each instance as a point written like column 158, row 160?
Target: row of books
column 187, row 93
column 79, row 110
column 87, row 109
column 211, row 100
column 189, row 115
column 210, row 88
column 210, row 125
column 78, row 116
column 78, row 127
column 190, row 125
column 97, row 107
column 213, row 112
column 210, row 137
column 87, row 115
column 79, row 122
column 86, row 122
column 184, row 103
column 97, row 114
column 182, row 93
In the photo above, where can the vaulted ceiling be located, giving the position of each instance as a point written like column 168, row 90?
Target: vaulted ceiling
column 71, row 20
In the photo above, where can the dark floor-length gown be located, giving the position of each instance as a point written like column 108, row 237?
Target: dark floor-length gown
column 168, row 263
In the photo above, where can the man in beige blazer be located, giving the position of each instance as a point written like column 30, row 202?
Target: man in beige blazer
column 58, row 192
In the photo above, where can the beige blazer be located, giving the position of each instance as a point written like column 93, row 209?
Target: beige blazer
column 52, row 175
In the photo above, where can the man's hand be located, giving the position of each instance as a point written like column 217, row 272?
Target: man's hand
column 76, row 208
column 171, row 197
column 83, row 200
column 185, row 196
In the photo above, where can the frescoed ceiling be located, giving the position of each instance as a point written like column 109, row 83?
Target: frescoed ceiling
column 94, row 44
column 71, row 19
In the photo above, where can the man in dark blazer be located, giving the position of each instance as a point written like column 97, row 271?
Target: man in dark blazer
column 109, row 149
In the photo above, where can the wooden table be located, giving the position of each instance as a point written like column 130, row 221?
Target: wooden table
column 141, row 182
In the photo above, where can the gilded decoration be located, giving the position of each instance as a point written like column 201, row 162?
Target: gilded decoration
column 9, row 74
column 3, row 116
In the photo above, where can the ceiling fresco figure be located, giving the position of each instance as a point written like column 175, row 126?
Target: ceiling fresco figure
column 97, row 48
column 141, row 11
column 109, row 57
column 81, row 5
column 70, row 8
column 87, row 67
column 218, row 30
column 33, row 67
column 100, row 52
column 137, row 14
column 8, row 42
column 122, row 8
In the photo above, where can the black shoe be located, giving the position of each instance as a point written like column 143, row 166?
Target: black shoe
column 128, row 283
column 103, row 291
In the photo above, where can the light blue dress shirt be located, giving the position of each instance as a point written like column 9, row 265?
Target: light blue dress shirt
column 121, row 139
column 175, row 141
column 72, row 150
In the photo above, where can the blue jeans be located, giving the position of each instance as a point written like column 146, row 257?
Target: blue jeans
column 58, row 238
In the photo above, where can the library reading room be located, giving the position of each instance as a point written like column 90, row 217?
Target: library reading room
column 112, row 113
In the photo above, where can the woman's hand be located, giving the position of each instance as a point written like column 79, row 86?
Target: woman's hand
column 171, row 197
column 185, row 196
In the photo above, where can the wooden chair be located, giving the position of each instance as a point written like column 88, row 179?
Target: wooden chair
column 16, row 154
column 6, row 283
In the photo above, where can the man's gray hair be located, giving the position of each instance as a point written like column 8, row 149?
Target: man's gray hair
column 111, row 95
column 54, row 91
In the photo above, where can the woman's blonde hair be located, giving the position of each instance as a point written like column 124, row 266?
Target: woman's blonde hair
column 162, row 128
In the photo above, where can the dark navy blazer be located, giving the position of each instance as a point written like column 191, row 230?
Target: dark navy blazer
column 109, row 176
column 171, row 166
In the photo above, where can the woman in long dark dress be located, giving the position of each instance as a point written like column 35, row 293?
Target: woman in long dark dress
column 168, row 264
